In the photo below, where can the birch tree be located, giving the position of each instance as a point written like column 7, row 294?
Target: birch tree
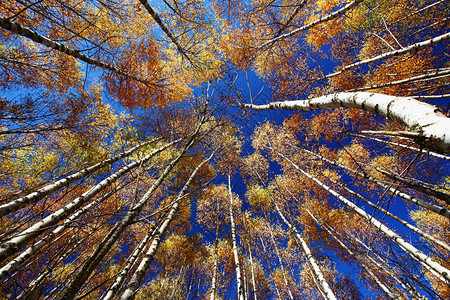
column 125, row 131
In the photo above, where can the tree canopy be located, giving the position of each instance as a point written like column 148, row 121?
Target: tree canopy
column 138, row 159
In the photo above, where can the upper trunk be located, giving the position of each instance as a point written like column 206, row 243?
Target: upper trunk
column 427, row 121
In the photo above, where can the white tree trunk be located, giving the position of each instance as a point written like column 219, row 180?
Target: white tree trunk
column 442, row 272
column 431, row 153
column 406, row 286
column 42, row 192
column 317, row 273
column 352, row 254
column 129, row 264
column 240, row 285
column 28, row 253
column 422, row 118
column 166, row 30
column 415, row 47
column 283, row 271
column 215, row 267
column 14, row 244
column 318, row 277
column 253, row 273
column 436, row 74
column 434, row 208
column 34, row 36
column 94, row 259
column 417, row 185
column 401, row 221
column 331, row 16
column 268, row 265
column 216, row 263
column 145, row 263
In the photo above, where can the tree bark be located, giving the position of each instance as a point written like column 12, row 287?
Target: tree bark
column 417, row 185
column 46, row 190
column 161, row 25
column 317, row 273
column 91, row 263
column 269, row 266
column 129, row 264
column 322, row 284
column 331, row 16
column 412, row 48
column 427, row 120
column 145, row 263
column 253, row 273
column 28, row 253
column 434, row 208
column 283, row 271
column 13, row 245
column 383, row 287
column 34, row 36
column 433, row 75
column 401, row 221
column 442, row 273
column 431, row 153
column 240, row 285
column 33, row 285
column 216, row 265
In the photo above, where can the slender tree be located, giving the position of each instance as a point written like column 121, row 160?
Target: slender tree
column 126, row 128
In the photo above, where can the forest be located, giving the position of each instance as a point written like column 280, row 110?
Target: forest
column 225, row 149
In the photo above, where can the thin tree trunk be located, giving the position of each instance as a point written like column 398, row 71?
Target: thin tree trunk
column 269, row 266
column 407, row 288
column 13, row 245
column 253, row 273
column 353, row 255
column 216, row 265
column 331, row 16
column 413, row 48
column 434, row 208
column 431, row 153
column 283, row 271
column 5, row 23
column 74, row 265
column 244, row 279
column 46, row 190
column 129, row 264
column 298, row 7
column 158, row 21
column 417, row 185
column 323, row 287
column 310, row 258
column 436, row 74
column 240, row 286
column 28, row 131
column 89, row 266
column 28, row 253
column 403, row 222
column 145, row 263
column 442, row 272
column 426, row 119
column 418, row 11
column 30, row 289
column 322, row 293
